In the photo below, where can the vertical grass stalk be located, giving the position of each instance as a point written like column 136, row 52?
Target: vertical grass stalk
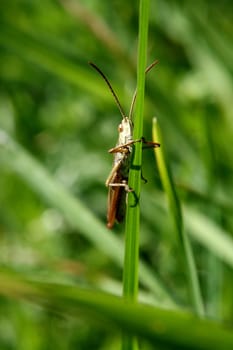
column 175, row 209
column 130, row 278
column 131, row 262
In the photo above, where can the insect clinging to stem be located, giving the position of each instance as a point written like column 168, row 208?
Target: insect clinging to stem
column 117, row 181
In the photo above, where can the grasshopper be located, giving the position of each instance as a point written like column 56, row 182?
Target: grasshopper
column 117, row 181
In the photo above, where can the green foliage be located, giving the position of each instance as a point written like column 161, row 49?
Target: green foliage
column 159, row 326
column 57, row 121
column 175, row 209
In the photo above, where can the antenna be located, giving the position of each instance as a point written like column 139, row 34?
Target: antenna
column 111, row 89
column 135, row 92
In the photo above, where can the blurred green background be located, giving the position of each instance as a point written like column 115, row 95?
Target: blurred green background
column 55, row 106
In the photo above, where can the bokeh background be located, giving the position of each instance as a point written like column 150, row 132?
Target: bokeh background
column 56, row 107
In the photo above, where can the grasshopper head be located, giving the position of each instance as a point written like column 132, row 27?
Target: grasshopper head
column 125, row 130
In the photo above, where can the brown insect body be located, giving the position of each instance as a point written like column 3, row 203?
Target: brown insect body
column 117, row 181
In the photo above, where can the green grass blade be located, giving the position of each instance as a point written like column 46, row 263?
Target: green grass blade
column 176, row 213
column 132, row 229
column 172, row 329
column 132, row 217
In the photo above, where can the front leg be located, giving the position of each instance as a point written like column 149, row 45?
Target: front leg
column 123, row 148
column 149, row 144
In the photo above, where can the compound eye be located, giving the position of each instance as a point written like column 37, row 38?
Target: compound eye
column 120, row 128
